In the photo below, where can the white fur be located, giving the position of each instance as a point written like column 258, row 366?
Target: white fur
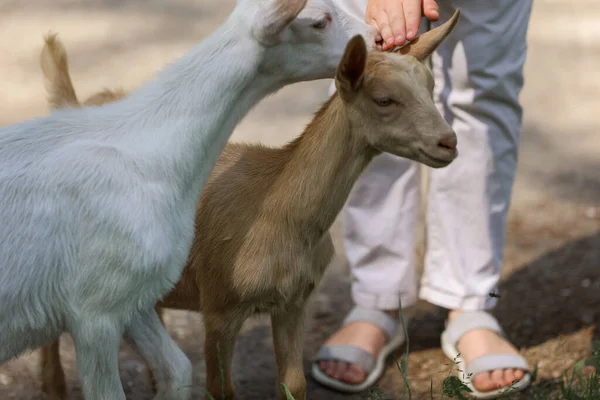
column 97, row 204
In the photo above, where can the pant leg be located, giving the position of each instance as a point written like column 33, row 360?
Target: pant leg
column 479, row 74
column 378, row 221
column 379, row 233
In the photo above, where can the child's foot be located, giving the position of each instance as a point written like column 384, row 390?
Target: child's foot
column 480, row 342
column 361, row 334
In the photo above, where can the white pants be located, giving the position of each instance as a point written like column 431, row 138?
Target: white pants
column 478, row 74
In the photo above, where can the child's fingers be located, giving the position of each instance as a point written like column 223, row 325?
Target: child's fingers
column 431, row 10
column 412, row 17
column 395, row 14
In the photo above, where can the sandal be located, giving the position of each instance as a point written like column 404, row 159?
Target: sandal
column 482, row 320
column 373, row 366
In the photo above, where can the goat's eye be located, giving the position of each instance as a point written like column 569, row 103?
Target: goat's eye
column 384, row 102
column 322, row 23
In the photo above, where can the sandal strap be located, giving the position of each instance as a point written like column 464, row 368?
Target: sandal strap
column 468, row 321
column 379, row 318
column 496, row 361
column 348, row 354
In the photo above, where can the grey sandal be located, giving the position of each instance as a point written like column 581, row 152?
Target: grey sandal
column 482, row 320
column 373, row 367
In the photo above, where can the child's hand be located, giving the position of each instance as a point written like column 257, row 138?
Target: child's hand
column 398, row 20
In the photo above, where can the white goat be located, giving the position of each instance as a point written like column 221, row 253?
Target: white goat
column 98, row 203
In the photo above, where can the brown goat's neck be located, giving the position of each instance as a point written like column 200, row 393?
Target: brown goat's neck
column 319, row 169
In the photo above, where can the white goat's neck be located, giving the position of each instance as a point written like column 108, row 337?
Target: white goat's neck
column 178, row 125
column 318, row 171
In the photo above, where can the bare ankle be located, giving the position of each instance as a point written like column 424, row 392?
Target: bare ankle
column 452, row 314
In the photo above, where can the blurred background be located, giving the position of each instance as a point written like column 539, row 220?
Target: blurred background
column 550, row 293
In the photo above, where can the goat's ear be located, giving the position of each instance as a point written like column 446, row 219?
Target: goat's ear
column 272, row 18
column 423, row 46
column 350, row 71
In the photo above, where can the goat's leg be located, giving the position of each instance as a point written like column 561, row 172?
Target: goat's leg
column 97, row 340
column 221, row 332
column 288, row 338
column 52, row 375
column 171, row 368
column 151, row 377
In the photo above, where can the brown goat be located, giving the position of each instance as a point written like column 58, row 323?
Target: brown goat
column 263, row 242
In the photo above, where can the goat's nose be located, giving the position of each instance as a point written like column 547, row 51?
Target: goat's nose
column 448, row 141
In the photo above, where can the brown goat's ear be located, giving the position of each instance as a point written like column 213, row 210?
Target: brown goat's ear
column 349, row 75
column 423, row 46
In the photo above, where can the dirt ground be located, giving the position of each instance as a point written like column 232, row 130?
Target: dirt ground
column 550, row 292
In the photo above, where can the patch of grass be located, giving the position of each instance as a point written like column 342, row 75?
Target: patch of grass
column 403, row 365
column 286, row 391
column 574, row 384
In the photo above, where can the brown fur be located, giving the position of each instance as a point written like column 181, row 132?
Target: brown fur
column 55, row 68
column 262, row 234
